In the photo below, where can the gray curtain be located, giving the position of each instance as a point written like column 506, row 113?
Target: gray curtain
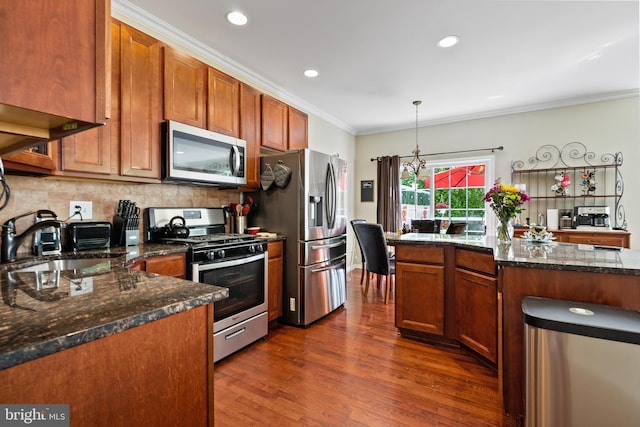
column 388, row 214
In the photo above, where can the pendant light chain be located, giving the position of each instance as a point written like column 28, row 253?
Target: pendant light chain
column 416, row 164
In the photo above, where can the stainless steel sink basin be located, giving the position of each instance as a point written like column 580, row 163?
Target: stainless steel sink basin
column 86, row 266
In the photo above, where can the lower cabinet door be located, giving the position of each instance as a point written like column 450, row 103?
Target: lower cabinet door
column 420, row 297
column 477, row 308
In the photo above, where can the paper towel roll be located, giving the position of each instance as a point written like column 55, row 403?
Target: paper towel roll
column 552, row 219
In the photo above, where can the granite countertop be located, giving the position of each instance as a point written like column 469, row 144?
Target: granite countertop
column 46, row 312
column 521, row 253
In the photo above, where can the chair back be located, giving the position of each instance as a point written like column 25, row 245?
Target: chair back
column 374, row 248
column 456, row 227
column 358, row 221
column 426, row 225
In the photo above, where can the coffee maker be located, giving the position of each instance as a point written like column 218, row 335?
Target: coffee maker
column 46, row 241
column 589, row 217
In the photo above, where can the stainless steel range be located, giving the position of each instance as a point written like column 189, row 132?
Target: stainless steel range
column 234, row 261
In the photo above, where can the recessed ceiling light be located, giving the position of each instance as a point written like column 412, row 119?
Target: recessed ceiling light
column 311, row 73
column 236, row 18
column 448, row 41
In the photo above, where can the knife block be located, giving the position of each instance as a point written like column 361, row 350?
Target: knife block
column 125, row 231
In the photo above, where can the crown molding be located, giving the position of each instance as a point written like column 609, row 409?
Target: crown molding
column 152, row 25
column 161, row 30
column 570, row 102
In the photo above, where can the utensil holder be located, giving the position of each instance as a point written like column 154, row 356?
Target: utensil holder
column 241, row 224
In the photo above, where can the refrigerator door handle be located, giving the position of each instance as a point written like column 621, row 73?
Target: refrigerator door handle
column 329, row 267
column 330, row 194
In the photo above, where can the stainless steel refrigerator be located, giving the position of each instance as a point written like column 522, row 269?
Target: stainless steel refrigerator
column 304, row 197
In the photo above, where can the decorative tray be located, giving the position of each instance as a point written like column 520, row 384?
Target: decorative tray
column 546, row 237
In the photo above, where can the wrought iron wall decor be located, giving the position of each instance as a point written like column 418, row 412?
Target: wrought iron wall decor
column 571, row 176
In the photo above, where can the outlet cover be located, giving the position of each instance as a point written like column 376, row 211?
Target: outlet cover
column 85, row 208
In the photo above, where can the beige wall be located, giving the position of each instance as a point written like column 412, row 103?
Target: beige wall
column 604, row 127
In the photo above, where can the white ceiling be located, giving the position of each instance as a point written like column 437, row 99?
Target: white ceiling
column 377, row 56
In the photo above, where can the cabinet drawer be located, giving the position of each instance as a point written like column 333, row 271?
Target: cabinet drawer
column 168, row 265
column 420, row 253
column 596, row 239
column 476, row 261
column 274, row 249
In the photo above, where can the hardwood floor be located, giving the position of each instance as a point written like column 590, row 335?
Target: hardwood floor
column 351, row 368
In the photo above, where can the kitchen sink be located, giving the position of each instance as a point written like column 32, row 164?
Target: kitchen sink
column 88, row 266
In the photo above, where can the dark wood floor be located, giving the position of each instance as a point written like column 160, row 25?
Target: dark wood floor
column 351, row 368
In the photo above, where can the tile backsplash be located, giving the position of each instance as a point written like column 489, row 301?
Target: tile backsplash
column 32, row 193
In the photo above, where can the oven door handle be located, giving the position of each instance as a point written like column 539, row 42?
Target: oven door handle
column 329, row 267
column 328, row 246
column 223, row 264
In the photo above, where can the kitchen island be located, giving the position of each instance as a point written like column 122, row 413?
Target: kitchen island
column 120, row 346
column 463, row 299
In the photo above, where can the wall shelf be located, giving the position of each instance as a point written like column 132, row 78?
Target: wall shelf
column 604, row 188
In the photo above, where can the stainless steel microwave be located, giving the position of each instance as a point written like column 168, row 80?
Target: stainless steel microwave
column 192, row 154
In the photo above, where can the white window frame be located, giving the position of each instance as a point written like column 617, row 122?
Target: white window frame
column 489, row 162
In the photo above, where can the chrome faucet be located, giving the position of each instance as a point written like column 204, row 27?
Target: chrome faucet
column 11, row 241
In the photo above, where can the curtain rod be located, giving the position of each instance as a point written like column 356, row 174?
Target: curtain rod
column 500, row 148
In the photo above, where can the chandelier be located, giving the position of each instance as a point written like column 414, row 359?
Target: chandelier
column 417, row 165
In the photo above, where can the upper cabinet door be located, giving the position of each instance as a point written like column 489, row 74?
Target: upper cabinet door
column 140, row 107
column 250, row 131
column 55, row 57
column 298, row 125
column 274, row 124
column 223, row 103
column 184, row 96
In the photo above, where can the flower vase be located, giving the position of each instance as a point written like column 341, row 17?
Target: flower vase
column 505, row 231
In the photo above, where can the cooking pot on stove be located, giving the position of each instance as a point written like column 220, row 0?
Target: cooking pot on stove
column 176, row 228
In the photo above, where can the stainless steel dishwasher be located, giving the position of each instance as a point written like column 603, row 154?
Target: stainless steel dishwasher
column 582, row 364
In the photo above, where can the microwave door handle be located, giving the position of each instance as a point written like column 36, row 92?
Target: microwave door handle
column 235, row 160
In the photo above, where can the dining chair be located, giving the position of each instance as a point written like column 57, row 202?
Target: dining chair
column 456, row 228
column 353, row 222
column 426, row 225
column 376, row 255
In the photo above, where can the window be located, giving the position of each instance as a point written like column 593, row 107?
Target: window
column 453, row 191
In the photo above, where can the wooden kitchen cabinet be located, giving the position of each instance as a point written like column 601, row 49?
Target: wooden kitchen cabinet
column 420, row 289
column 275, row 266
column 476, row 297
column 37, row 160
column 55, row 64
column 184, row 88
column 298, row 129
column 146, row 375
column 88, row 152
column 174, row 265
column 250, row 131
column 603, row 238
column 140, row 107
column 275, row 131
column 223, row 103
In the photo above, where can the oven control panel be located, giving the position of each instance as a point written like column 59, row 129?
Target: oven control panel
column 229, row 251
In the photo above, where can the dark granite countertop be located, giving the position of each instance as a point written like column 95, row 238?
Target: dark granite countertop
column 550, row 256
column 46, row 312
